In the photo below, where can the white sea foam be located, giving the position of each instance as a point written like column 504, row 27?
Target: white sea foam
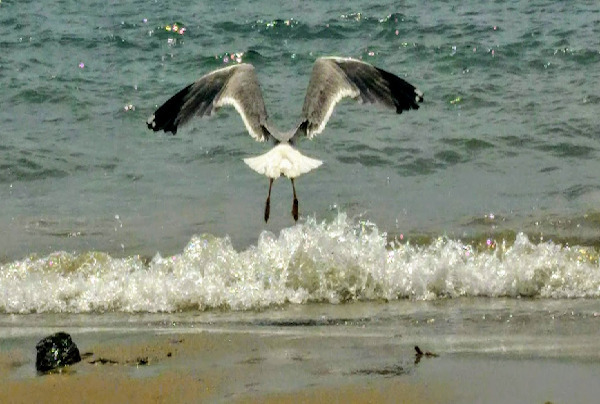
column 327, row 262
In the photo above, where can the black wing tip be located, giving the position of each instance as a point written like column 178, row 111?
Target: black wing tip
column 156, row 125
column 405, row 95
column 167, row 116
column 406, row 103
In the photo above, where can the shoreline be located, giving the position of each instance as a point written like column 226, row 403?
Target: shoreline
column 211, row 366
column 250, row 367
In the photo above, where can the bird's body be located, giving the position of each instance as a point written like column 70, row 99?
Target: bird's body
column 282, row 160
column 332, row 79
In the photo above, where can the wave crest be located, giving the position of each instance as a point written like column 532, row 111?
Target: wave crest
column 334, row 262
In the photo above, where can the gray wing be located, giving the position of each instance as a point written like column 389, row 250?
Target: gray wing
column 335, row 78
column 235, row 85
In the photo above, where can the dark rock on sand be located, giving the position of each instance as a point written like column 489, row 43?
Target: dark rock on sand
column 56, row 351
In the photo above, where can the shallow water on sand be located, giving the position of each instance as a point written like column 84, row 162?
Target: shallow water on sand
column 496, row 350
column 508, row 328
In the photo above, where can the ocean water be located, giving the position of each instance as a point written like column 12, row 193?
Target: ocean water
column 490, row 190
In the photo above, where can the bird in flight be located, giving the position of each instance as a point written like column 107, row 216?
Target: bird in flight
column 332, row 79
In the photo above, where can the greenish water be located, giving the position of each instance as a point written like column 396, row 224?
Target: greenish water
column 505, row 142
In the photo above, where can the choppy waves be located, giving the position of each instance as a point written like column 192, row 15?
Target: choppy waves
column 335, row 262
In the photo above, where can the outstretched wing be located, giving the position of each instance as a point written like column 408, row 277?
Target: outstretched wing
column 235, row 85
column 334, row 78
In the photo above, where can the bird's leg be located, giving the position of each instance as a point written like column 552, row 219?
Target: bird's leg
column 268, row 203
column 295, row 205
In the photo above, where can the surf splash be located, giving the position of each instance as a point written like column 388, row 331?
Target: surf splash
column 332, row 262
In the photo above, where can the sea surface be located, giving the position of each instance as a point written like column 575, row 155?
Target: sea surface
column 479, row 211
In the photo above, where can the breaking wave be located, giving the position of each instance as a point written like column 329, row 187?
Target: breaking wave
column 333, row 262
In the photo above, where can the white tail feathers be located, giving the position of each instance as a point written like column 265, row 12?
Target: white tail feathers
column 283, row 159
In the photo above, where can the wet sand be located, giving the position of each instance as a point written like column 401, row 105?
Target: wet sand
column 251, row 367
column 195, row 367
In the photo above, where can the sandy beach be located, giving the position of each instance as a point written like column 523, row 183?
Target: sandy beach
column 251, row 367
column 227, row 367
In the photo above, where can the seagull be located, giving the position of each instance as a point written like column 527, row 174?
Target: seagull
column 333, row 79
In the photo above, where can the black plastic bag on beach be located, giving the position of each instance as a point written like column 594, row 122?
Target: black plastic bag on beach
column 56, row 351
